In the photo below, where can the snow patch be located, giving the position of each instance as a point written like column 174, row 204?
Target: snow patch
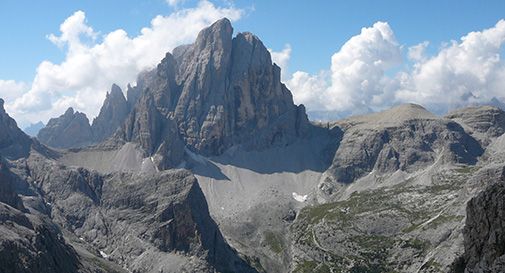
column 104, row 255
column 300, row 198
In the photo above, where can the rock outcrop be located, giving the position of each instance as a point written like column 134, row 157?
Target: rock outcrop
column 232, row 91
column 13, row 142
column 164, row 217
column 406, row 138
column 70, row 130
column 112, row 115
column 156, row 133
column 484, row 123
column 29, row 242
column 484, row 232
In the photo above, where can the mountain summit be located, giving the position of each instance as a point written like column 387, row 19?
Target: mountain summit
column 218, row 92
column 214, row 94
column 223, row 91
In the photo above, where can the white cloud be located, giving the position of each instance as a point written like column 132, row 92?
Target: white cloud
column 468, row 71
column 175, row 3
column 356, row 79
column 91, row 66
column 361, row 74
column 281, row 58
column 309, row 89
column 417, row 52
column 10, row 90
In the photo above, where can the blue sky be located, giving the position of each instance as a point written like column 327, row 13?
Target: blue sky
column 314, row 31
column 337, row 56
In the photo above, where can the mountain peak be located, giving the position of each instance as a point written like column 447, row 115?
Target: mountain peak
column 222, row 24
column 115, row 91
column 69, row 112
column 393, row 116
column 70, row 130
column 218, row 35
column 13, row 142
column 113, row 113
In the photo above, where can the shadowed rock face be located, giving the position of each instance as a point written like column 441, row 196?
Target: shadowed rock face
column 484, row 232
column 13, row 142
column 70, row 130
column 156, row 133
column 112, row 115
column 484, row 122
column 32, row 244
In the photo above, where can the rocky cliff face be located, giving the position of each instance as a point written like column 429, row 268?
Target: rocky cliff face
column 484, row 232
column 70, row 130
column 112, row 115
column 13, row 142
column 164, row 217
column 405, row 138
column 219, row 92
column 484, row 122
column 29, row 242
column 243, row 97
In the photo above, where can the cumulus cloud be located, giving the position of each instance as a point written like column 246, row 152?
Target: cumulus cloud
column 10, row 90
column 417, row 52
column 361, row 75
column 93, row 62
column 281, row 58
column 463, row 72
column 356, row 79
column 175, row 3
column 309, row 89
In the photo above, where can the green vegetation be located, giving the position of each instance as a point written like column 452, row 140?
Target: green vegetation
column 409, row 205
column 467, row 169
column 274, row 241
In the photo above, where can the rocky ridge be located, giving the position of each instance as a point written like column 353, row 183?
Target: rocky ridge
column 73, row 130
column 113, row 113
column 70, row 130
